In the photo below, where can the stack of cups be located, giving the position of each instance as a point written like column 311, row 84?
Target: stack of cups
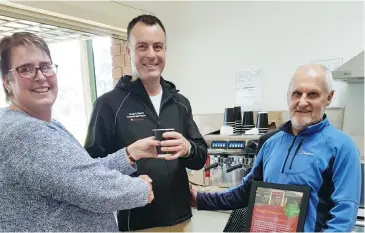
column 262, row 122
column 247, row 121
column 229, row 117
column 238, row 129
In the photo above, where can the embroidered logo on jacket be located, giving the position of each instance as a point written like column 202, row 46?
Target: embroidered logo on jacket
column 136, row 116
column 303, row 152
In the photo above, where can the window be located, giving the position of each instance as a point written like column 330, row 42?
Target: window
column 102, row 64
column 71, row 105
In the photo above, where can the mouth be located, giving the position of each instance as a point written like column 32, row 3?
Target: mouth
column 150, row 65
column 303, row 111
column 41, row 90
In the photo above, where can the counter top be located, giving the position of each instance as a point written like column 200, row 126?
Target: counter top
column 232, row 137
column 209, row 188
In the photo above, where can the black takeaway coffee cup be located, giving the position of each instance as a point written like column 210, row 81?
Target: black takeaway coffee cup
column 158, row 134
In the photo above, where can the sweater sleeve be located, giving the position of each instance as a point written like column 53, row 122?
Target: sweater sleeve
column 51, row 164
column 117, row 160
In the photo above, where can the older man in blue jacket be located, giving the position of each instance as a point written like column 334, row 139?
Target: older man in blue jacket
column 308, row 151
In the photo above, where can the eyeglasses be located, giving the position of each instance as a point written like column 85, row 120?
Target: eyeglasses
column 29, row 71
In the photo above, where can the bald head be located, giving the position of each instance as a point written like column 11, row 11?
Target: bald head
column 317, row 72
column 309, row 93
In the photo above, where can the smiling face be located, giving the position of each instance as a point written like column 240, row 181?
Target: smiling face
column 32, row 95
column 147, row 50
column 308, row 97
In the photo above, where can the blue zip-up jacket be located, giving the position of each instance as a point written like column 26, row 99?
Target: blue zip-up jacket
column 321, row 157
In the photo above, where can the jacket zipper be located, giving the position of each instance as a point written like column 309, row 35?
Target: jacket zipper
column 296, row 152
column 289, row 149
column 163, row 102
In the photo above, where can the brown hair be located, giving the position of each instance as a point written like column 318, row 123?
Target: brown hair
column 145, row 19
column 18, row 39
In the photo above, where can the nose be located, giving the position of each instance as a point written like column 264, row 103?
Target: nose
column 151, row 52
column 303, row 101
column 39, row 75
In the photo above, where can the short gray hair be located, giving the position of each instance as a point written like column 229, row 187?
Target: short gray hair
column 329, row 78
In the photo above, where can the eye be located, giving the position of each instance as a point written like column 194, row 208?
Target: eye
column 297, row 94
column 26, row 69
column 142, row 47
column 312, row 94
column 46, row 67
column 158, row 47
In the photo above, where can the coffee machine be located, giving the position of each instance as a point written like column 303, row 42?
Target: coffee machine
column 232, row 149
column 230, row 158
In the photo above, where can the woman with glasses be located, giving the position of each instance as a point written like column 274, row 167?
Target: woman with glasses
column 48, row 182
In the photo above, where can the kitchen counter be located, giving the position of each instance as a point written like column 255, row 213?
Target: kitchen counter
column 209, row 221
column 210, row 188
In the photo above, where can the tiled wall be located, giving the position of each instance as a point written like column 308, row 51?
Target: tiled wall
column 120, row 60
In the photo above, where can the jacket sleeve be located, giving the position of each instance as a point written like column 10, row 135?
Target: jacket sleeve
column 198, row 153
column 347, row 189
column 100, row 130
column 50, row 165
column 234, row 198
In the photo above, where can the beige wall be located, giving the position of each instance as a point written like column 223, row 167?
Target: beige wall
column 204, row 52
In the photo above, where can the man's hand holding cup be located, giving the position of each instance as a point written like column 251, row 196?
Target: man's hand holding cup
column 174, row 145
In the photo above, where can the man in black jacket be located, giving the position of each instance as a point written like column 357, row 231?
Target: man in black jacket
column 137, row 105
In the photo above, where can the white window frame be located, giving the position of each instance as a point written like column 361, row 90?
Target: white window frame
column 20, row 11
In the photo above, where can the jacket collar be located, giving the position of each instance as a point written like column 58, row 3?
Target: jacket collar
column 287, row 127
column 136, row 87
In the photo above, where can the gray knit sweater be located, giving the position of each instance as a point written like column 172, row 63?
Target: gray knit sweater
column 48, row 182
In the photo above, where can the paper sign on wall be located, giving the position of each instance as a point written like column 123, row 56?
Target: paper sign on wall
column 249, row 88
column 338, row 87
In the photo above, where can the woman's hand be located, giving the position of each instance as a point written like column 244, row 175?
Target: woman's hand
column 143, row 148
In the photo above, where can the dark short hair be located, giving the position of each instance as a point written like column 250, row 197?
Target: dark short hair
column 145, row 19
column 7, row 43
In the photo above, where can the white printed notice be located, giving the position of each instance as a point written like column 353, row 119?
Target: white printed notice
column 249, row 88
column 338, row 86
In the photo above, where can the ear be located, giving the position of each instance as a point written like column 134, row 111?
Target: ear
column 128, row 50
column 6, row 82
column 330, row 97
